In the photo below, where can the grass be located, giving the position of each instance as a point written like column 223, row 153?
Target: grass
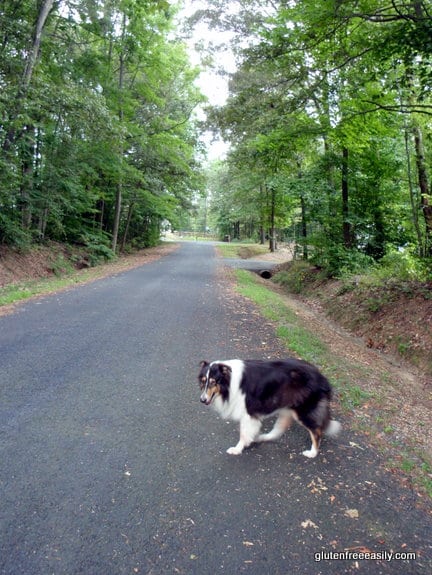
column 345, row 377
column 300, row 341
column 14, row 293
column 241, row 250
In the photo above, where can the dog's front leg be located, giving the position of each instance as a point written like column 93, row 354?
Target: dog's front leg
column 249, row 429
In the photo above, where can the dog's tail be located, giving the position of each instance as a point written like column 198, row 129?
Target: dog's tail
column 333, row 428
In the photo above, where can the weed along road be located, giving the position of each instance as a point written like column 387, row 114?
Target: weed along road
column 110, row 465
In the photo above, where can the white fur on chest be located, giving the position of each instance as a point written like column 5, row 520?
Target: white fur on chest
column 235, row 408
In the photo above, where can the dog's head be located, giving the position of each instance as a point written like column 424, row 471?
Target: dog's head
column 214, row 379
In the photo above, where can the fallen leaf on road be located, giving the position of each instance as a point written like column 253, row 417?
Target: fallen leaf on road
column 309, row 523
column 248, row 543
column 353, row 513
column 317, row 487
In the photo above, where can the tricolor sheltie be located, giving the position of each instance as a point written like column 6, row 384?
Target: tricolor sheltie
column 248, row 391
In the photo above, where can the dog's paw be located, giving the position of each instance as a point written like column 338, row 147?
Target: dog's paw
column 310, row 453
column 235, row 450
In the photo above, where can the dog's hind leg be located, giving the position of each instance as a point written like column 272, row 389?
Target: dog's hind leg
column 249, row 429
column 316, row 435
column 282, row 423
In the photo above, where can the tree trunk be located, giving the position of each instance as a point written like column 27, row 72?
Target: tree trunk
column 346, row 226
column 413, row 196
column 304, row 227
column 272, row 238
column 126, row 230
column 117, row 212
column 45, row 9
column 118, row 202
column 423, row 181
column 32, row 58
column 26, row 187
column 262, row 202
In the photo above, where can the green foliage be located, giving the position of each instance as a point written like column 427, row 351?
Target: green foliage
column 314, row 118
column 402, row 265
column 337, row 261
column 11, row 232
column 97, row 248
column 299, row 275
column 96, row 118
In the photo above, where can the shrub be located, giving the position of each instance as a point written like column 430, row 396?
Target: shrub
column 338, row 261
column 97, row 248
column 297, row 277
column 401, row 265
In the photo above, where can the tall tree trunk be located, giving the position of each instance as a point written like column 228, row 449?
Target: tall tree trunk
column 303, row 215
column 118, row 202
column 346, row 226
column 304, row 228
column 425, row 192
column 26, row 187
column 32, row 58
column 45, row 9
column 413, row 195
column 272, row 239
column 262, row 232
column 126, row 230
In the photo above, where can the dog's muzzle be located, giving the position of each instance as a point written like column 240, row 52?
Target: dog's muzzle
column 205, row 399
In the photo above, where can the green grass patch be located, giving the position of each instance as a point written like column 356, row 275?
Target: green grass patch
column 14, row 293
column 241, row 250
column 297, row 339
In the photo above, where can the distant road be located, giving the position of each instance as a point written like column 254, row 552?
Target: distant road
column 110, row 465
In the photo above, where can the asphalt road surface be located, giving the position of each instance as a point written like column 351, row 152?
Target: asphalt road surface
column 110, row 465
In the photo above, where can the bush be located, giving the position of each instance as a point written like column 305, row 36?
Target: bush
column 402, row 266
column 12, row 234
column 97, row 248
column 338, row 261
column 297, row 277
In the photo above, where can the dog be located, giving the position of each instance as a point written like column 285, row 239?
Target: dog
column 248, row 391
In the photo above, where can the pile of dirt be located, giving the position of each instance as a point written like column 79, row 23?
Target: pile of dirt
column 394, row 318
column 18, row 266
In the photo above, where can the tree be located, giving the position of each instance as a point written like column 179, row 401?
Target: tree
column 344, row 67
column 97, row 122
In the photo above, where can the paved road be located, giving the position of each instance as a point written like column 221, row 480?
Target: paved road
column 109, row 464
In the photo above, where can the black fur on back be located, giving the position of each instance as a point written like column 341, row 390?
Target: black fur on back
column 291, row 383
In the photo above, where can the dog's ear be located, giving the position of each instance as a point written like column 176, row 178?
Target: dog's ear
column 225, row 369
column 204, row 363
